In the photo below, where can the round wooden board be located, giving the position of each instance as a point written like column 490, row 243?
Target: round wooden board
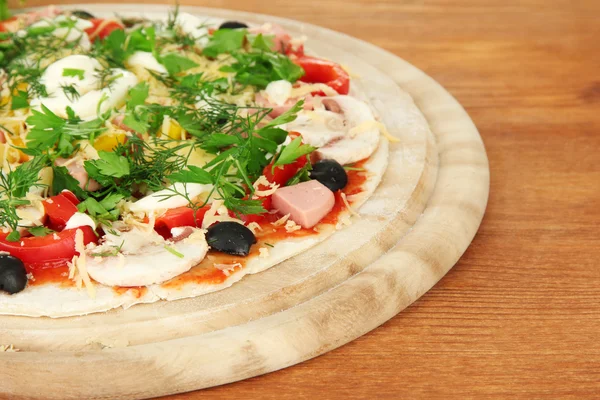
column 432, row 196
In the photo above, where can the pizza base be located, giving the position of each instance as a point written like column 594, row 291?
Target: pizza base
column 56, row 301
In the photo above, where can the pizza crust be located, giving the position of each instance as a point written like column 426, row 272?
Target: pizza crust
column 55, row 301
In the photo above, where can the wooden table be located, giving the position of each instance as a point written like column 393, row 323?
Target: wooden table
column 519, row 315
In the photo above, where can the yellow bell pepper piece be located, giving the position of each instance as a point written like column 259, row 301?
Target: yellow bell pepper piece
column 175, row 130
column 109, row 142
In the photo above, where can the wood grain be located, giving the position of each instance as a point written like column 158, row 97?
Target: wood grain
column 518, row 316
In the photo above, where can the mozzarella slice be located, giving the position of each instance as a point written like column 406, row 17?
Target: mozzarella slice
column 362, row 135
column 278, row 92
column 347, row 137
column 143, row 59
column 318, row 127
column 91, row 98
column 75, row 31
column 80, row 219
column 197, row 27
column 166, row 198
column 156, row 262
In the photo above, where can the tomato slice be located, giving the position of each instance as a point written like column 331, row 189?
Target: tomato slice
column 298, row 51
column 259, row 218
column 318, row 70
column 176, row 217
column 60, row 209
column 38, row 252
column 69, row 195
column 279, row 175
column 283, row 173
column 102, row 28
column 4, row 23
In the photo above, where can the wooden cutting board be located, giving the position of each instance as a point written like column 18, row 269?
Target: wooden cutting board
column 434, row 194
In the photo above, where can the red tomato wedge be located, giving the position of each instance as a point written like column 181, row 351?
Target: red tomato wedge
column 318, row 70
column 6, row 22
column 267, row 204
column 279, row 175
column 176, row 217
column 38, row 252
column 102, row 28
column 283, row 173
column 69, row 195
column 60, row 209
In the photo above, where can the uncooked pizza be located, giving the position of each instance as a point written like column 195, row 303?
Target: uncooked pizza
column 146, row 160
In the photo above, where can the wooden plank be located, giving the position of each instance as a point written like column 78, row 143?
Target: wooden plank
column 518, row 315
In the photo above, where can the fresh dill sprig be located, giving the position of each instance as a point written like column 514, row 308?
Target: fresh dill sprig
column 14, row 186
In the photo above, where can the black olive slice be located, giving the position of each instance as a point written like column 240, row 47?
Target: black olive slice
column 330, row 173
column 231, row 238
column 13, row 276
column 82, row 14
column 232, row 25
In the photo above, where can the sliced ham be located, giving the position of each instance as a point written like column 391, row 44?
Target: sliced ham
column 281, row 40
column 118, row 122
column 78, row 172
column 306, row 203
column 262, row 101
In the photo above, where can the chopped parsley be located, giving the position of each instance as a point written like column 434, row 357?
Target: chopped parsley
column 75, row 73
column 238, row 139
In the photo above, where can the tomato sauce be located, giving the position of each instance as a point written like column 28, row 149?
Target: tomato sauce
column 136, row 291
column 57, row 274
column 206, row 272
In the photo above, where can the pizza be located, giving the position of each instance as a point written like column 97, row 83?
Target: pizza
column 146, row 160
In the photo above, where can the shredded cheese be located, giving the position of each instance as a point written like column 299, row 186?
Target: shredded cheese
column 8, row 348
column 372, row 124
column 227, row 268
column 343, row 222
column 254, row 227
column 263, row 252
column 306, row 89
column 281, row 220
column 291, row 226
column 345, row 200
column 78, row 266
column 213, row 215
column 262, row 180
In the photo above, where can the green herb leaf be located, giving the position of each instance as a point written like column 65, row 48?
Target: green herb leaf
column 175, row 63
column 246, row 207
column 75, row 73
column 288, row 116
column 137, row 123
column 62, row 180
column 277, row 135
column 264, row 43
column 4, row 11
column 109, row 165
column 303, row 175
column 193, row 174
column 136, row 118
column 21, row 100
column 174, row 252
column 292, row 151
column 40, row 231
column 92, row 207
column 220, row 140
column 224, row 41
column 111, row 201
column 137, row 95
column 14, row 236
